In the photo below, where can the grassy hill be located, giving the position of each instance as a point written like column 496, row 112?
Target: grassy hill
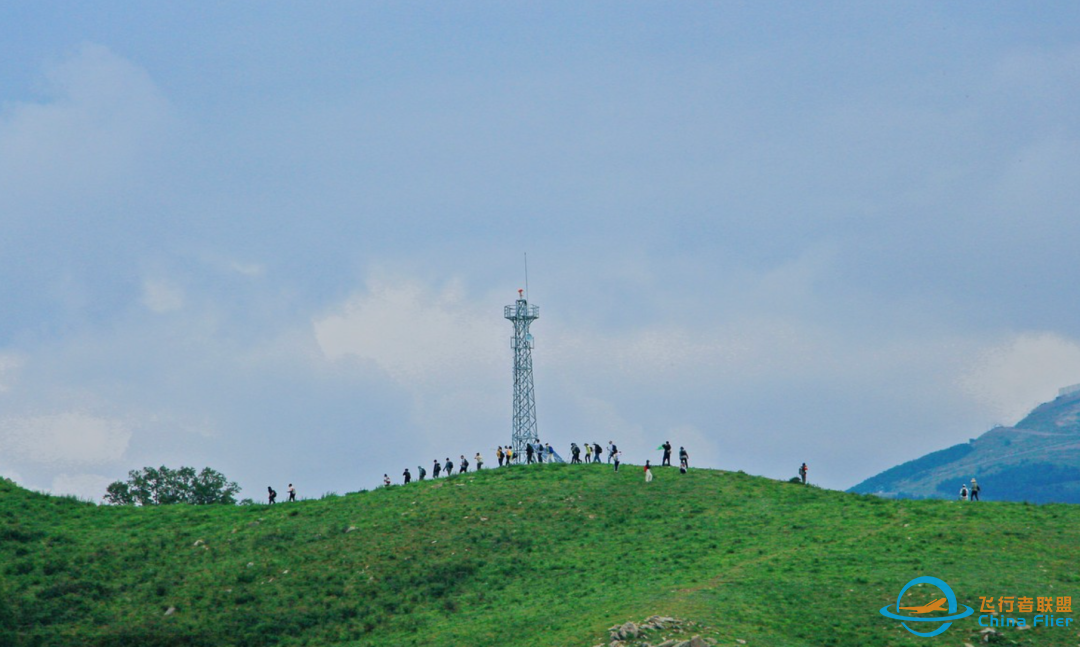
column 1038, row 460
column 530, row 556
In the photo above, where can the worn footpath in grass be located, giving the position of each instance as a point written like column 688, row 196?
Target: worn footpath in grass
column 529, row 555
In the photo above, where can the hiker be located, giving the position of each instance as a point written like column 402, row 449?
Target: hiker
column 479, row 461
column 648, row 472
column 963, row 492
column 435, row 469
column 499, row 455
column 588, row 453
column 408, row 477
column 974, row 490
column 386, row 480
column 684, row 458
column 596, row 452
column 575, row 453
column 271, row 494
column 449, row 467
column 610, row 450
column 529, row 453
column 802, row 473
column 464, row 465
column 420, row 473
column 292, row 493
column 618, row 457
column 509, row 455
column 667, row 454
column 550, row 453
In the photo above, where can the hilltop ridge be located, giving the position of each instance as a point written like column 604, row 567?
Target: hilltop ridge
column 527, row 555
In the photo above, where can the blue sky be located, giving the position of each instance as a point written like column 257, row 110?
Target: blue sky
column 276, row 238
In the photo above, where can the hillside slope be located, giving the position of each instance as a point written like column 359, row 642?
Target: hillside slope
column 529, row 556
column 1038, row 460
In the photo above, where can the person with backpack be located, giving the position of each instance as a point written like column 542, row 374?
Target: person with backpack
column 499, row 455
column 292, row 493
column 435, row 469
column 271, row 495
column 408, row 477
column 509, row 455
column 420, row 473
column 648, row 472
column 667, row 454
column 464, row 465
column 684, row 459
column 963, row 492
column 449, row 467
column 974, row 490
column 550, row 453
column 610, row 450
column 588, row 453
column 529, row 453
column 802, row 473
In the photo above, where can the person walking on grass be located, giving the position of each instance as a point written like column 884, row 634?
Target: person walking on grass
column 667, row 454
column 435, row 469
column 618, row 457
column 588, row 453
column 271, row 494
column 479, row 461
column 529, row 453
column 292, row 493
column 974, row 490
column 408, row 477
column 802, row 473
column 963, row 492
column 575, row 454
column 610, row 450
column 386, row 480
column 509, row 455
column 420, row 473
column 499, row 455
column 449, row 467
column 464, row 465
column 648, row 472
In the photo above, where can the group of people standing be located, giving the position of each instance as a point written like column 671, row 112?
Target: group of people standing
column 438, row 468
column 271, row 493
column 534, row 453
column 970, row 493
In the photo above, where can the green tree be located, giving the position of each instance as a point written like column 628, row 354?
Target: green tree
column 164, row 486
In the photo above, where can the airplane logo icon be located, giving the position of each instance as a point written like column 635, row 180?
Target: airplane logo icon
column 936, row 605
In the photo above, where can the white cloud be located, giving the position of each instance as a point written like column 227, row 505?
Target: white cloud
column 65, row 438
column 9, row 366
column 253, row 270
column 105, row 115
column 1014, row 376
column 417, row 335
column 90, row 487
column 161, row 296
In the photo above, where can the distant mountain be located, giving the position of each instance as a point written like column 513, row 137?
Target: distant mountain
column 1038, row 460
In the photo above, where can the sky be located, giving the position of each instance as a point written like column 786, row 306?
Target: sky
column 276, row 238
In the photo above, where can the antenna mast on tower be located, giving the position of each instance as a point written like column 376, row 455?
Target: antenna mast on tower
column 524, row 425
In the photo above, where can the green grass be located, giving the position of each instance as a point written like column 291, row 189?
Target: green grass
column 538, row 555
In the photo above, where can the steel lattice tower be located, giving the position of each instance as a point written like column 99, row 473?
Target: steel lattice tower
column 524, row 429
